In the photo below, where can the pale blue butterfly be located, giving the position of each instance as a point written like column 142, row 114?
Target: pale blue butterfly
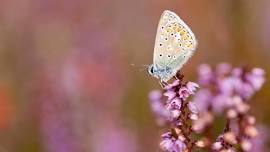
column 175, row 44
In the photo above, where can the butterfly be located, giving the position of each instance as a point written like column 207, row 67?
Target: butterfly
column 175, row 43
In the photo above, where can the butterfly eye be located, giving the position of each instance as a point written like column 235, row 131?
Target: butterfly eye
column 160, row 55
column 160, row 44
column 162, row 27
column 166, row 39
column 152, row 70
column 169, row 56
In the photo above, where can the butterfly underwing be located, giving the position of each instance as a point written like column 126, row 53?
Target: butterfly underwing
column 175, row 44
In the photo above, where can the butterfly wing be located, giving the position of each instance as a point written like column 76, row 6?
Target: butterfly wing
column 175, row 42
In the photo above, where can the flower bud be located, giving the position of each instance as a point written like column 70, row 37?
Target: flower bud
column 251, row 131
column 231, row 113
column 251, row 120
column 242, row 108
column 246, row 145
column 230, row 138
column 200, row 143
column 198, row 126
column 193, row 116
column 217, row 145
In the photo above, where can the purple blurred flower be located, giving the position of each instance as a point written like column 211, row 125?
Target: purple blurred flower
column 192, row 87
column 221, row 84
column 193, row 108
column 220, row 102
column 226, row 85
column 171, row 144
column 223, row 68
column 155, row 95
column 158, row 107
column 259, row 142
column 205, row 74
column 113, row 139
column 203, row 99
column 256, row 78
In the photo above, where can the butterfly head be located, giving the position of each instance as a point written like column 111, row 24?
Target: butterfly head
column 153, row 71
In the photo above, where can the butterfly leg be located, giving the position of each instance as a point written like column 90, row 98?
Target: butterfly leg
column 163, row 84
column 176, row 78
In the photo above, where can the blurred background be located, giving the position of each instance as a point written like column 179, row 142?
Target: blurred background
column 66, row 80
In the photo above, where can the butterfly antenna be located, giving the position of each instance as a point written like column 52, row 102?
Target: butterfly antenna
column 144, row 68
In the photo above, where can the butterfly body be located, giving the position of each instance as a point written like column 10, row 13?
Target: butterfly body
column 162, row 73
column 174, row 45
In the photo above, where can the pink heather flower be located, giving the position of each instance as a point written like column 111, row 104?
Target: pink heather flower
column 192, row 87
column 166, row 144
column 170, row 94
column 172, row 85
column 184, row 93
column 171, row 144
column 175, row 104
column 169, row 112
column 174, row 108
